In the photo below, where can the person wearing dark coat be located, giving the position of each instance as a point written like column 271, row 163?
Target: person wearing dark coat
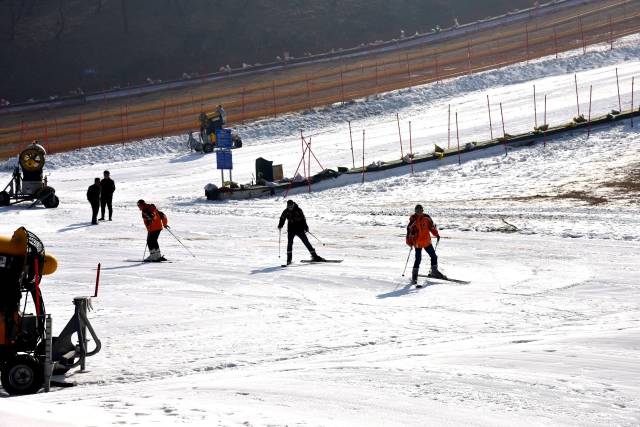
column 107, row 187
column 296, row 226
column 93, row 196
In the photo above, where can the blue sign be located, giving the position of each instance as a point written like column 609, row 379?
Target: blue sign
column 224, row 160
column 223, row 138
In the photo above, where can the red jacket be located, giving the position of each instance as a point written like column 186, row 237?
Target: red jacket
column 420, row 229
column 153, row 219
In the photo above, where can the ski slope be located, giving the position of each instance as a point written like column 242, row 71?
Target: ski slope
column 546, row 333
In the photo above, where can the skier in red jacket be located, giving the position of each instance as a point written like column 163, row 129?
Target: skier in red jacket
column 419, row 232
column 155, row 221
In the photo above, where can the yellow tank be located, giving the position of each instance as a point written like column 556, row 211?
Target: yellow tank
column 16, row 245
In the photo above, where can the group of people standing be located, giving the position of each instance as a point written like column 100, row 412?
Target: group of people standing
column 100, row 195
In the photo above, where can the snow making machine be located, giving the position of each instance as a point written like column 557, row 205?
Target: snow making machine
column 211, row 131
column 29, row 185
column 29, row 354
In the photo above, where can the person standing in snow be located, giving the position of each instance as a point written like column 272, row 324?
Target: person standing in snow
column 93, row 196
column 296, row 226
column 107, row 187
column 155, row 221
column 222, row 115
column 419, row 232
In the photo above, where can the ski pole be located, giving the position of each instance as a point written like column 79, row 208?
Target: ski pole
column 145, row 251
column 279, row 240
column 176, row 237
column 320, row 241
column 407, row 263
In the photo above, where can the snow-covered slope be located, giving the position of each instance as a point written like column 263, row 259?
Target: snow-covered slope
column 547, row 331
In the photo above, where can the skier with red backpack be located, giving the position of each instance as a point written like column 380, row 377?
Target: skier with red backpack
column 155, row 221
column 419, row 232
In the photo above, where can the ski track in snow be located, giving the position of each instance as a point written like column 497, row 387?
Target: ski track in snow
column 546, row 333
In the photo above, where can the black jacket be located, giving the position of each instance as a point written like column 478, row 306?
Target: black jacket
column 93, row 193
column 107, row 186
column 296, row 222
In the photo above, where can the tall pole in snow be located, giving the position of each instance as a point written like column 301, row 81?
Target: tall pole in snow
column 458, row 138
column 632, row 78
column 618, row 85
column 490, row 124
column 575, row 78
column 363, row 156
column 589, row 119
column 399, row 136
column 535, row 109
column 449, row 129
column 353, row 160
column 504, row 134
column 545, row 121
column 410, row 149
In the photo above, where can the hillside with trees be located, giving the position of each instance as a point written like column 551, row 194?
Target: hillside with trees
column 52, row 48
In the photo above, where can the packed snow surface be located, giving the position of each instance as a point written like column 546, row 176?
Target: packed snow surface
column 546, row 333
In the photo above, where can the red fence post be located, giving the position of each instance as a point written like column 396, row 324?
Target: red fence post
column 526, row 40
column 399, row 136
column 273, row 92
column 341, row 88
column 308, row 93
column 610, row 32
column 164, row 110
column 584, row 46
column 408, row 69
column 243, row 106
column 555, row 41
column 468, row 58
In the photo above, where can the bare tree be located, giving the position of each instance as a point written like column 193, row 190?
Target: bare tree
column 16, row 12
column 125, row 16
column 61, row 20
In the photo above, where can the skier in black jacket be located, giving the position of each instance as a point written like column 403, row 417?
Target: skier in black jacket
column 296, row 226
column 107, row 187
column 93, row 196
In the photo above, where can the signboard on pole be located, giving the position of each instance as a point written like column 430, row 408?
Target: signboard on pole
column 224, row 159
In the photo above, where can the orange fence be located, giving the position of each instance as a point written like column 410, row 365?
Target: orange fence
column 418, row 65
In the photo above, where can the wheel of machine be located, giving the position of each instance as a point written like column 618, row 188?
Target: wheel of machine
column 22, row 374
column 5, row 199
column 51, row 201
column 207, row 147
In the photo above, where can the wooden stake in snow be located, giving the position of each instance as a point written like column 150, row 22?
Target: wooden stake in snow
column 589, row 119
column 410, row 149
column 353, row 160
column 363, row 156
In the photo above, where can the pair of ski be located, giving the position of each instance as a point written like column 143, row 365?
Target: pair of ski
column 444, row 278
column 144, row 261
column 310, row 261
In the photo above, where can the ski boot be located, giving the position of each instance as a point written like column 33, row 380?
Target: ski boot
column 435, row 273
column 316, row 258
column 414, row 276
column 155, row 256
